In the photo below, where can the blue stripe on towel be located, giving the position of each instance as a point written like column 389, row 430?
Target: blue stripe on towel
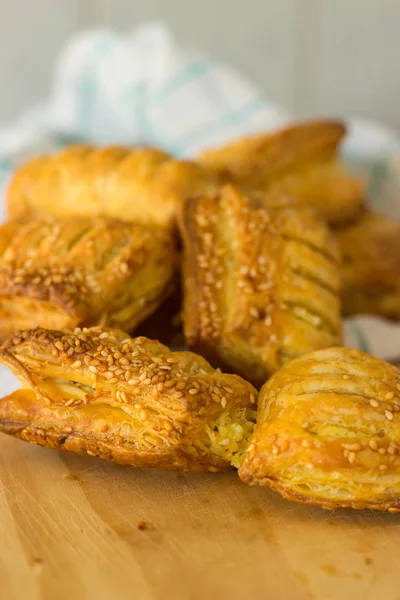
column 186, row 75
column 361, row 338
column 232, row 118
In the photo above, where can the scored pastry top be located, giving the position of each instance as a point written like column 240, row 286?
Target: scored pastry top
column 300, row 160
column 328, row 432
column 261, row 284
column 82, row 270
column 145, row 185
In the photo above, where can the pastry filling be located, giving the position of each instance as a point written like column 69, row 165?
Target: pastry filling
column 230, row 433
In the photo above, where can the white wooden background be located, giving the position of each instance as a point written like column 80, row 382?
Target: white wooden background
column 337, row 57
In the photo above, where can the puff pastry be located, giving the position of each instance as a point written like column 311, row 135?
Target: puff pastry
column 328, row 432
column 300, row 161
column 261, row 286
column 143, row 184
column 371, row 266
column 64, row 273
column 99, row 392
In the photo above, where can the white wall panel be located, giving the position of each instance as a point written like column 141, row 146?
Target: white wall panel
column 359, row 52
column 31, row 34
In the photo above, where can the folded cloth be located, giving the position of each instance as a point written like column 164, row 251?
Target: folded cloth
column 143, row 88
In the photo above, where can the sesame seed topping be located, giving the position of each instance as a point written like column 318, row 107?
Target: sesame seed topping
column 389, row 415
column 374, row 403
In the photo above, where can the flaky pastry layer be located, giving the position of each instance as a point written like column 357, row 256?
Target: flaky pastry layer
column 64, row 273
column 370, row 252
column 328, row 432
column 261, row 286
column 99, row 392
column 144, row 185
column 300, row 160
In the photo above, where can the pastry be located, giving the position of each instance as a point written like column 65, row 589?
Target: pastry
column 142, row 185
column 371, row 266
column 328, row 432
column 99, row 392
column 261, row 285
column 300, row 161
column 82, row 271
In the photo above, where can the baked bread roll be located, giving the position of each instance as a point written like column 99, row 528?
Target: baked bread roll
column 99, row 392
column 82, row 271
column 300, row 161
column 370, row 252
column 328, row 432
column 261, row 285
column 144, row 185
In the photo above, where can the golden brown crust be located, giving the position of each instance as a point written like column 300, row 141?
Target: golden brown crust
column 99, row 392
column 64, row 273
column 261, row 286
column 328, row 432
column 300, row 160
column 143, row 184
column 371, row 266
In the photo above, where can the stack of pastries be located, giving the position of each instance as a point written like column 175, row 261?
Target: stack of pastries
column 248, row 255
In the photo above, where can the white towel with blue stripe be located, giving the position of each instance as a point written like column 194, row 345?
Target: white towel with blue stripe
column 143, row 88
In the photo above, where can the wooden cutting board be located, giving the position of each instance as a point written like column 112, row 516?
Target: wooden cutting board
column 79, row 528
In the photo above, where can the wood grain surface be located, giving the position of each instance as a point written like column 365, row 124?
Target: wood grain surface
column 76, row 527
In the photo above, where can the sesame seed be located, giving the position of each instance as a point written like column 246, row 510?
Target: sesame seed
column 389, row 396
column 143, row 415
column 167, row 425
column 374, row 403
column 69, row 402
column 92, row 369
column 59, row 345
column 223, row 402
column 383, row 467
column 252, row 398
column 345, row 377
column 193, row 391
column 351, row 457
column 388, row 415
column 66, row 430
column 76, row 364
column 146, row 381
column 215, row 397
column 104, row 335
column 373, row 444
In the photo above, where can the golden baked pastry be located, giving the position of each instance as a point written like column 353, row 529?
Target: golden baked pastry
column 328, row 432
column 143, row 184
column 82, row 271
column 300, row 161
column 261, row 286
column 99, row 392
column 371, row 266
